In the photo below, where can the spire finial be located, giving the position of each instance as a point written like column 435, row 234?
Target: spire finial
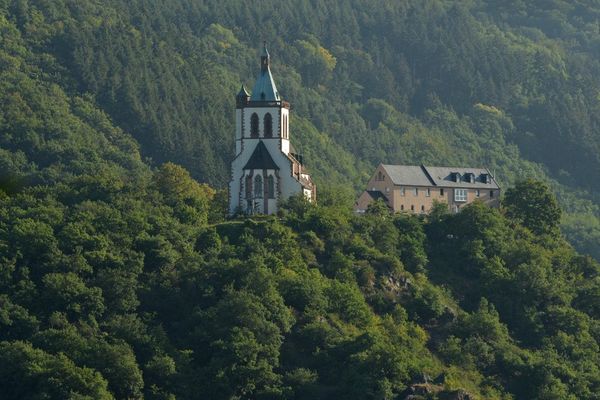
column 265, row 59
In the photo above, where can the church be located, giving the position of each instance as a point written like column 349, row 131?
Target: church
column 266, row 169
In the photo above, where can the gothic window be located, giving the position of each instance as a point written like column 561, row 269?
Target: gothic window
column 271, row 186
column 254, row 126
column 268, row 125
column 248, row 186
column 258, row 186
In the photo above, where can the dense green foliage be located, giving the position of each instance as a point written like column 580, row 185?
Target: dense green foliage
column 130, row 293
column 119, row 277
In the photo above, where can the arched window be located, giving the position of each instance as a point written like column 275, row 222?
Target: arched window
column 254, row 126
column 248, row 186
column 258, row 186
column 271, row 186
column 268, row 125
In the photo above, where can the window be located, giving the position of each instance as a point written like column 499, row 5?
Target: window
column 387, row 189
column 402, row 207
column 268, row 121
column 422, row 208
column 428, row 192
column 258, row 186
column 248, row 186
column 402, row 192
column 460, row 194
column 412, row 208
column 271, row 186
column 416, row 192
column 254, row 126
column 477, row 193
column 491, row 193
column 379, row 176
column 441, row 192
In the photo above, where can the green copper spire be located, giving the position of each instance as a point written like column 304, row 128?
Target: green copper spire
column 264, row 88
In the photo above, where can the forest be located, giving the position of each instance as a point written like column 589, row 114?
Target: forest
column 121, row 277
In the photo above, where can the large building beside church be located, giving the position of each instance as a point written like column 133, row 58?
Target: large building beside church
column 266, row 169
column 415, row 188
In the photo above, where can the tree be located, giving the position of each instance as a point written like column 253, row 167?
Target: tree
column 532, row 204
column 28, row 373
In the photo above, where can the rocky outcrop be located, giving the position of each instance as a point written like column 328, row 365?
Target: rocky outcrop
column 425, row 388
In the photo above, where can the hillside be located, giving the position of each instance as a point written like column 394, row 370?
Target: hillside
column 126, row 290
column 120, row 278
column 513, row 88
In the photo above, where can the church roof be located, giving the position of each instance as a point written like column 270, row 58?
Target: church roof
column 264, row 88
column 260, row 158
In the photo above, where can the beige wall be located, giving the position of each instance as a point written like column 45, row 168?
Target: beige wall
column 386, row 186
column 421, row 203
column 363, row 202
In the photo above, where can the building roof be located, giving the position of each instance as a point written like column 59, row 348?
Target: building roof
column 260, row 158
column 442, row 176
column 264, row 88
column 243, row 92
column 376, row 195
column 407, row 175
column 413, row 175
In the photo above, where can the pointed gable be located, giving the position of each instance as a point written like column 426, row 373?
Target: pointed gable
column 260, row 158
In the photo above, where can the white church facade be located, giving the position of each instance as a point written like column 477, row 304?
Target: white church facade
column 266, row 169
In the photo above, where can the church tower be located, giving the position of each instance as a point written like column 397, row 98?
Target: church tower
column 266, row 168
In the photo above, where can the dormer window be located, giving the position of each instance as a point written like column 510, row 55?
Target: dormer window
column 469, row 177
column 455, row 176
column 485, row 178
